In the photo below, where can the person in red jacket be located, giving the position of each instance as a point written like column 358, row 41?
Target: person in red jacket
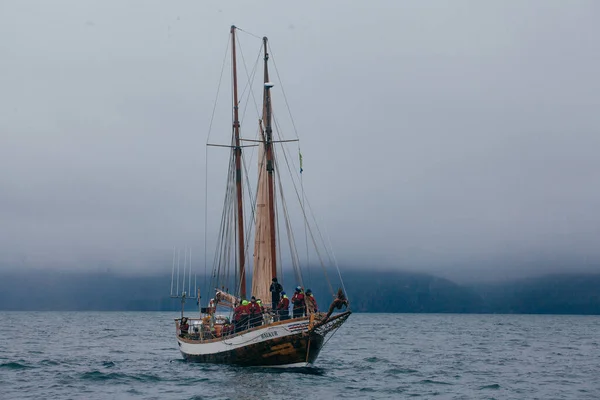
column 298, row 302
column 311, row 302
column 240, row 317
column 283, row 308
column 237, row 315
column 255, row 313
column 184, row 327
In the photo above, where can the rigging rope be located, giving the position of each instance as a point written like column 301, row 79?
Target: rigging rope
column 302, row 182
column 227, row 238
column 282, row 90
column 305, row 221
column 248, row 33
column 250, row 78
column 304, row 212
column 205, row 217
column 212, row 117
column 291, row 241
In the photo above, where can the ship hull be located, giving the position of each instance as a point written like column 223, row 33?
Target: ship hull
column 285, row 345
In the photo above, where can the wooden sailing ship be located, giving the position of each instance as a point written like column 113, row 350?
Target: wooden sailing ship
column 271, row 337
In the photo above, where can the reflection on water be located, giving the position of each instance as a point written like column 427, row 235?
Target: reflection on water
column 304, row 370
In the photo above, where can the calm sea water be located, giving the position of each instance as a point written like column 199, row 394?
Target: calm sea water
column 117, row 355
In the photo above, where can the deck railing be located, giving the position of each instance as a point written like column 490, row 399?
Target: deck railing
column 207, row 328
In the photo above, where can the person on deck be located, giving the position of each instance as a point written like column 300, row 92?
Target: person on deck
column 311, row 302
column 260, row 304
column 283, row 308
column 237, row 318
column 184, row 327
column 255, row 313
column 298, row 302
column 245, row 314
column 275, row 290
column 262, row 310
column 240, row 316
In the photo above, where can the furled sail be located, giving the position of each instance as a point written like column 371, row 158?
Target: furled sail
column 261, row 275
column 226, row 299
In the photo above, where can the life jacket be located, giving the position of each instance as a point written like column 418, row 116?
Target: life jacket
column 284, row 303
column 246, row 309
column 254, row 308
column 298, row 299
column 238, row 312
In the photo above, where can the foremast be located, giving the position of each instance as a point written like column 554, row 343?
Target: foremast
column 238, row 172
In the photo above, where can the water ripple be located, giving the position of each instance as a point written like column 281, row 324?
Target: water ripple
column 15, row 366
column 428, row 356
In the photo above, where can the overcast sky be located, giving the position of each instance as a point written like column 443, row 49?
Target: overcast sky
column 436, row 135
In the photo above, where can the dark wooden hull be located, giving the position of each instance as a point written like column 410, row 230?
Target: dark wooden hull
column 297, row 349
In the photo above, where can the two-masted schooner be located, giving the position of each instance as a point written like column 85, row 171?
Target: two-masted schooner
column 272, row 337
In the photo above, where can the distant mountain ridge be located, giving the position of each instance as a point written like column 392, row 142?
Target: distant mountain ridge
column 368, row 291
column 549, row 294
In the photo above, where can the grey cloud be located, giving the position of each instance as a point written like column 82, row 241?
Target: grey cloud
column 434, row 135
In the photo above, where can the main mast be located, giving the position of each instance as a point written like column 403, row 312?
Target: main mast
column 269, row 157
column 238, row 171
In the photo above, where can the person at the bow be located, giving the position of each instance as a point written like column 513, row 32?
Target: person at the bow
column 311, row 302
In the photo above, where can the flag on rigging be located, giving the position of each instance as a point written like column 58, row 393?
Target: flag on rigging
column 300, row 154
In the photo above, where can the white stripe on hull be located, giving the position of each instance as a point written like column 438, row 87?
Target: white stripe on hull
column 264, row 334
